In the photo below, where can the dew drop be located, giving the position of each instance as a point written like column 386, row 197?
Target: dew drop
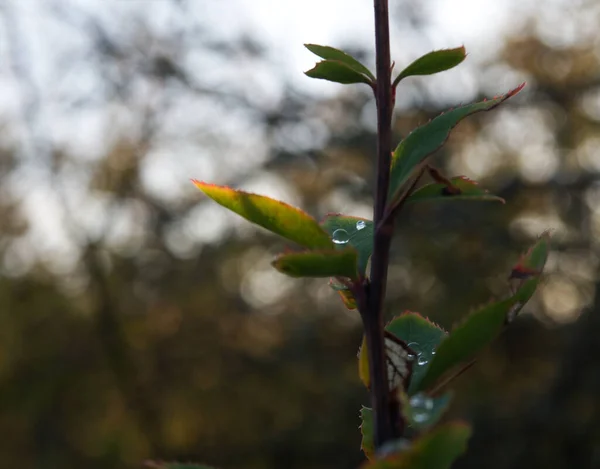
column 360, row 224
column 432, row 351
column 513, row 311
column 393, row 447
column 411, row 356
column 422, row 360
column 340, row 236
column 421, row 407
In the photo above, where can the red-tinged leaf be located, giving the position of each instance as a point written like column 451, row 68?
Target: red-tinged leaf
column 274, row 215
column 437, row 449
column 413, row 151
column 338, row 72
column 461, row 188
column 530, row 268
column 433, row 62
column 478, row 330
column 346, row 295
column 532, row 262
column 330, row 53
column 348, row 299
column 323, row 263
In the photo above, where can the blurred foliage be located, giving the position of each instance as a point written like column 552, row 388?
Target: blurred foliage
column 136, row 323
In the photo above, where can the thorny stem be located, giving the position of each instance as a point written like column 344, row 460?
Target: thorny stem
column 372, row 311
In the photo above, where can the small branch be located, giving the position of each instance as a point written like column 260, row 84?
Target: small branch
column 372, row 312
column 389, row 214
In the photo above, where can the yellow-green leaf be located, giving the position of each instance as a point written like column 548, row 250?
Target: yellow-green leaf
column 274, row 215
column 348, row 299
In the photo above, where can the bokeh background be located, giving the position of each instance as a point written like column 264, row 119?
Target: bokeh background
column 139, row 320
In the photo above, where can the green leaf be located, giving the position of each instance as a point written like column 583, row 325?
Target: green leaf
column 354, row 231
column 423, row 337
column 462, row 189
column 366, row 429
column 338, row 72
column 363, row 363
column 412, row 152
column 422, row 411
column 437, row 449
column 274, row 215
column 331, row 53
column 529, row 268
column 325, row 263
column 467, row 340
column 433, row 62
column 419, row 334
column 477, row 330
column 535, row 258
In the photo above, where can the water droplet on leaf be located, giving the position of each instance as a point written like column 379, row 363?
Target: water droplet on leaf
column 340, row 236
column 513, row 311
column 360, row 224
column 421, row 407
column 413, row 346
column 422, row 360
column 393, row 447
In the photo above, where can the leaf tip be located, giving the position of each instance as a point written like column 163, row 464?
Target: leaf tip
column 516, row 90
column 200, row 184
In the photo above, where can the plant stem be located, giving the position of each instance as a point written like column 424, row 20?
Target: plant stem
column 373, row 316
